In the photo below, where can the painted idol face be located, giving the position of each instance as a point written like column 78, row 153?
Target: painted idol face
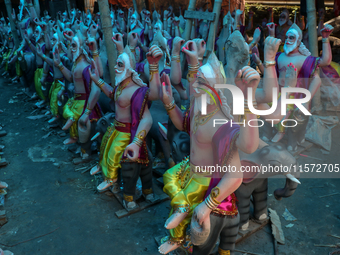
column 121, row 68
column 291, row 41
column 75, row 48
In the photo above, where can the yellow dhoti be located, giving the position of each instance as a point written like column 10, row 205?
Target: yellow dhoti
column 73, row 110
column 37, row 76
column 112, row 148
column 53, row 94
column 186, row 190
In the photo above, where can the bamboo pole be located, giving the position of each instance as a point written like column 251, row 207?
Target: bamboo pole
column 188, row 24
column 212, row 29
column 313, row 44
column 135, row 6
column 69, row 8
column 107, row 31
column 13, row 29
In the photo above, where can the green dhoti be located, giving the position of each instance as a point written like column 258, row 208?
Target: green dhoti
column 55, row 88
column 73, row 110
column 37, row 76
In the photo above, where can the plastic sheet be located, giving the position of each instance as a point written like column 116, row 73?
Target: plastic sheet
column 319, row 130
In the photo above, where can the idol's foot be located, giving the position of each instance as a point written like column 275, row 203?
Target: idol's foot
column 96, row 169
column 70, row 140
column 278, row 137
column 105, row 184
column 149, row 197
column 167, row 247
column 175, row 219
column 55, row 118
column 245, row 226
column 129, row 205
column 3, row 185
column 68, row 124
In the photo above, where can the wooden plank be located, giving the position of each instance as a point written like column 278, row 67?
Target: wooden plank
column 253, row 228
column 141, row 206
column 159, row 195
column 200, row 15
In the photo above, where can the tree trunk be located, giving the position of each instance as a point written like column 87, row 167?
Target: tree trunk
column 212, row 29
column 313, row 44
column 105, row 18
column 13, row 29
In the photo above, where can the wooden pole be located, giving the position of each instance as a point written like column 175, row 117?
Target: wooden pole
column 313, row 44
column 13, row 29
column 212, row 29
column 69, row 8
column 188, row 24
column 105, row 18
column 135, row 6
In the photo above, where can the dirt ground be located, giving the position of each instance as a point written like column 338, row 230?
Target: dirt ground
column 45, row 194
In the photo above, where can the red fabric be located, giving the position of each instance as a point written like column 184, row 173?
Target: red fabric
column 123, row 3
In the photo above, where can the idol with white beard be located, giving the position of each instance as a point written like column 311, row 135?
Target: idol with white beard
column 124, row 145
column 83, row 106
column 284, row 25
column 297, row 64
column 189, row 182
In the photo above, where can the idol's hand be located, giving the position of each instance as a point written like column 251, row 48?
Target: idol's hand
column 133, row 39
column 132, row 149
column 271, row 45
column 247, row 77
column 166, row 90
column 56, row 57
column 191, row 52
column 327, row 30
column 271, row 28
column 176, row 45
column 154, row 55
column 83, row 120
column 201, row 214
column 118, row 40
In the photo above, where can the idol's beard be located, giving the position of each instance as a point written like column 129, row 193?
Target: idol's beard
column 120, row 77
column 288, row 49
column 282, row 22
